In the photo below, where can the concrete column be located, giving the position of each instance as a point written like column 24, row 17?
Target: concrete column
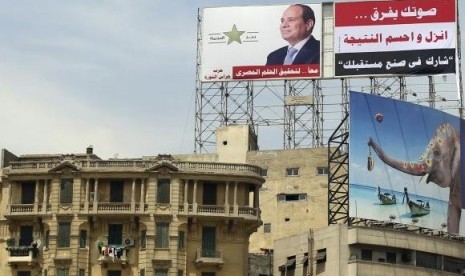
column 142, row 194
column 95, row 202
column 236, row 208
column 36, row 196
column 45, row 199
column 256, row 202
column 133, row 196
column 186, row 194
column 226, row 199
column 194, row 197
column 86, row 197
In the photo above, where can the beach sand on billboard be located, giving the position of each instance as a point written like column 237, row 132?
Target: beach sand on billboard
column 364, row 203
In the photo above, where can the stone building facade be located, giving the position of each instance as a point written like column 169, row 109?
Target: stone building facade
column 76, row 214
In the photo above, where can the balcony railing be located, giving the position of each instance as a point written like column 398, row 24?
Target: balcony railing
column 22, row 208
column 140, row 164
column 113, row 206
column 211, row 209
column 209, row 258
column 220, row 210
column 22, row 254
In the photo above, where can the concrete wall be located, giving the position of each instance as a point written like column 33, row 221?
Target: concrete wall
column 290, row 217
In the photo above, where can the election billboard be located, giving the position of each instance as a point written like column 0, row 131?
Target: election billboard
column 261, row 42
column 412, row 37
column 405, row 164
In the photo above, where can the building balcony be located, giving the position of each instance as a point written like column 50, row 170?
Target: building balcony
column 27, row 209
column 209, row 258
column 22, row 254
column 113, row 254
column 220, row 211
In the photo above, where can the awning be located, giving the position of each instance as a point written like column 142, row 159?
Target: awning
column 321, row 257
column 289, row 265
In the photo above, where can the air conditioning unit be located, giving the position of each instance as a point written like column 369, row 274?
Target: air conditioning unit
column 129, row 242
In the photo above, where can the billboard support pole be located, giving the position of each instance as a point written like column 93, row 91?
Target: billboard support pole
column 432, row 92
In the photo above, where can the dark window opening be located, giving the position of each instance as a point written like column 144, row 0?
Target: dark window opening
column 25, row 238
column 115, row 234
column 292, row 172
column 208, row 241
column 321, row 256
column 28, row 190
column 64, row 234
column 292, row 197
column 83, row 239
column 163, row 191
column 428, row 260
column 267, row 228
column 66, row 191
column 391, row 257
column 209, row 193
column 367, row 255
column 162, row 234
column 116, row 191
column 322, row 170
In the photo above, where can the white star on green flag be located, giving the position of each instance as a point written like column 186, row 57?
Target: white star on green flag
column 234, row 35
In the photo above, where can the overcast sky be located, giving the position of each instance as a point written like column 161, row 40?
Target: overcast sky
column 115, row 74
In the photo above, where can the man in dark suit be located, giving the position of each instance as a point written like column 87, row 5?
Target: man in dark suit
column 296, row 28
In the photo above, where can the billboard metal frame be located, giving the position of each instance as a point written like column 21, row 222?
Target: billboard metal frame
column 240, row 102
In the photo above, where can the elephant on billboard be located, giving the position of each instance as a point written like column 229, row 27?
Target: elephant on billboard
column 441, row 162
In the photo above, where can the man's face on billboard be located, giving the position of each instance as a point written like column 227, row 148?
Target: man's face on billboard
column 293, row 28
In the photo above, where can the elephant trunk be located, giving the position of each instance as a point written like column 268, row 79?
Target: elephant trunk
column 418, row 169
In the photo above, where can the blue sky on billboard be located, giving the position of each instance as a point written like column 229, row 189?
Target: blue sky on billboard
column 403, row 131
column 119, row 75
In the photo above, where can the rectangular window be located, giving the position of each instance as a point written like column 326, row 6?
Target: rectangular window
column 143, row 238
column 180, row 272
column 162, row 235
column 82, row 272
column 117, row 191
column 142, row 272
column 25, row 238
column 305, row 263
column 322, row 170
column 24, row 273
column 161, row 272
column 391, row 257
column 428, row 260
column 163, row 191
column 83, row 238
column 47, row 238
column 28, row 190
column 208, row 242
column 321, row 256
column 264, row 172
column 209, row 193
column 114, row 273
column 66, row 191
column 115, row 234
column 292, row 172
column 291, row 197
column 453, row 265
column 62, row 271
column 64, row 234
column 267, row 228
column 181, row 240
column 367, row 255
